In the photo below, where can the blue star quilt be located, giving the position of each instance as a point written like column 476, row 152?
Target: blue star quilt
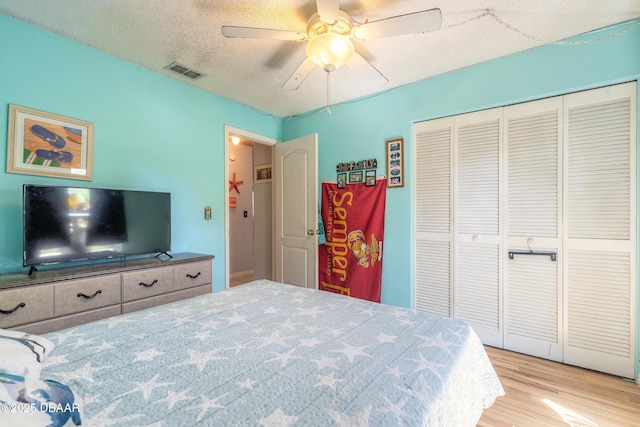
column 269, row 354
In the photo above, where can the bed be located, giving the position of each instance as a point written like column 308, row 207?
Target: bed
column 269, row 354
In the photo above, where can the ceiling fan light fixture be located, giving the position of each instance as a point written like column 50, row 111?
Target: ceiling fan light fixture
column 330, row 50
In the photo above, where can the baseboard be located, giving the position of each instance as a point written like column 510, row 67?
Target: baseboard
column 240, row 273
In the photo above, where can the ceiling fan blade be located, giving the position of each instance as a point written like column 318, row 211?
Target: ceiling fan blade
column 299, row 75
column 417, row 22
column 328, row 10
column 366, row 71
column 262, row 33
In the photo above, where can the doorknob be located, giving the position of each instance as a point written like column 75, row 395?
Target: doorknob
column 311, row 232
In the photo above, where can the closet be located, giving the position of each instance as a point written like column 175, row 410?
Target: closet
column 525, row 225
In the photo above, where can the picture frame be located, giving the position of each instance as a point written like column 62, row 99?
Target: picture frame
column 370, row 178
column 356, row 177
column 262, row 174
column 342, row 180
column 395, row 163
column 46, row 144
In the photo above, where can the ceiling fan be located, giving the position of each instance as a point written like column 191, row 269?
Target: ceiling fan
column 330, row 35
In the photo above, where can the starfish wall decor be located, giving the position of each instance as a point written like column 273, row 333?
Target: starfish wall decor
column 233, row 183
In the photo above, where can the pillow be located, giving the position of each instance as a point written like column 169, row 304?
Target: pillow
column 22, row 354
column 30, row 402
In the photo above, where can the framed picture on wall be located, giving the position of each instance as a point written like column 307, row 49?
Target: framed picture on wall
column 395, row 163
column 46, row 144
column 262, row 174
column 355, row 177
column 342, row 180
column 370, row 178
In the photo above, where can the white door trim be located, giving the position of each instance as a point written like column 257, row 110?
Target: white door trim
column 256, row 138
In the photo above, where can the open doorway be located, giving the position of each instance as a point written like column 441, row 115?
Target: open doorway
column 249, row 206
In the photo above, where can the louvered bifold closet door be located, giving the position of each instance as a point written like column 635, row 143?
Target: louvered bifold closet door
column 477, row 263
column 433, row 216
column 532, row 297
column 600, row 170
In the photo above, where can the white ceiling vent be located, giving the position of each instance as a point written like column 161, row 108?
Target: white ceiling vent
column 185, row 71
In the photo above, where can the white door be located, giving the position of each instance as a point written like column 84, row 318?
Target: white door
column 296, row 211
column 477, row 231
column 457, row 221
column 600, row 234
column 532, row 292
column 433, row 218
column 565, row 185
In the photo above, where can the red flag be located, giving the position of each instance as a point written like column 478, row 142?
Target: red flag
column 350, row 262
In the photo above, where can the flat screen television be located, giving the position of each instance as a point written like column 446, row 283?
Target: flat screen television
column 65, row 224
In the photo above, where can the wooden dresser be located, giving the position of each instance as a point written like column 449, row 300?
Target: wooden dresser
column 55, row 299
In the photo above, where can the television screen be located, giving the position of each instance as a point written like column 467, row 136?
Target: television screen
column 63, row 224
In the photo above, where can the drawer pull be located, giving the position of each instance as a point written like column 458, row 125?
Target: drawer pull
column 14, row 309
column 148, row 285
column 193, row 277
column 80, row 294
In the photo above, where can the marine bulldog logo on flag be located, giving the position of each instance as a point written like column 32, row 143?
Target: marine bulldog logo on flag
column 350, row 262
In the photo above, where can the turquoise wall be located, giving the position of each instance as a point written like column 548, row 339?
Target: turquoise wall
column 151, row 132
column 358, row 130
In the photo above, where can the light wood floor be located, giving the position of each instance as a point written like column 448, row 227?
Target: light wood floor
column 544, row 393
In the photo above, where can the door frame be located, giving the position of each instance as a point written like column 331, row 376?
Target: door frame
column 256, row 139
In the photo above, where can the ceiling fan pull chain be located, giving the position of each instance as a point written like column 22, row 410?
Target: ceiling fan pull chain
column 328, row 93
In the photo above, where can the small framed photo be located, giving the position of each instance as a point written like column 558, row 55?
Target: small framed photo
column 45, row 144
column 395, row 162
column 355, row 177
column 370, row 178
column 342, row 180
column 262, row 174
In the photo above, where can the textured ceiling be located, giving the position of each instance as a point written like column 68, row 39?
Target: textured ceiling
column 154, row 33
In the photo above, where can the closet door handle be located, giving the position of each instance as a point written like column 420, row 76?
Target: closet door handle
column 13, row 309
column 193, row 277
column 148, row 285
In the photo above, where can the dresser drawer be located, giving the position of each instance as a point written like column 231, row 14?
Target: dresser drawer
column 76, row 296
column 58, row 323
column 146, row 283
column 190, row 275
column 25, row 305
column 165, row 299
